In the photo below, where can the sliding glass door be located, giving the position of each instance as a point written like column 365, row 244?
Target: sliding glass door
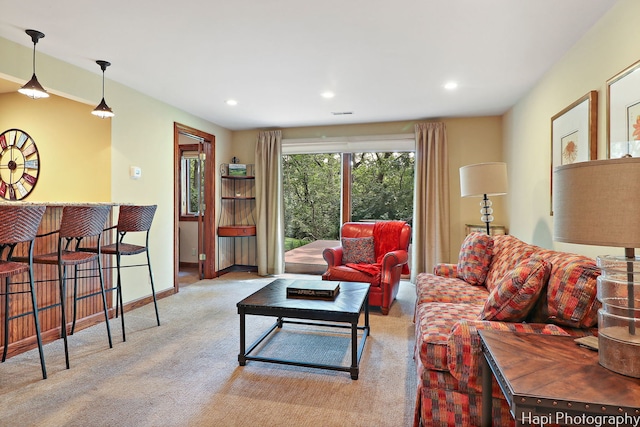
column 321, row 191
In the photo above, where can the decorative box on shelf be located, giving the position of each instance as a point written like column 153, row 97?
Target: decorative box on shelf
column 237, row 169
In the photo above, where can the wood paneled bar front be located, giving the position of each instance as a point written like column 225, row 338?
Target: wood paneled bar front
column 22, row 334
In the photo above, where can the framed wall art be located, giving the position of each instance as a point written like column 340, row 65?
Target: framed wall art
column 623, row 113
column 574, row 133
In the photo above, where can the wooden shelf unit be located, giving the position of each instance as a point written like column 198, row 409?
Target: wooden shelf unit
column 236, row 224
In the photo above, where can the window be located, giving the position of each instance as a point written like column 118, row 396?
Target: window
column 191, row 179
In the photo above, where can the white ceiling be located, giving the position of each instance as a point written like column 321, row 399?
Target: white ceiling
column 385, row 60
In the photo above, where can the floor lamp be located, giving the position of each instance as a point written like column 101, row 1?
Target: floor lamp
column 598, row 203
column 483, row 180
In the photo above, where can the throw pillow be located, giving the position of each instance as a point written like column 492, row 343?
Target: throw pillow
column 474, row 258
column 518, row 291
column 571, row 296
column 358, row 250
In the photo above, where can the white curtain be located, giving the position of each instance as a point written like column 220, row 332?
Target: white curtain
column 269, row 203
column 430, row 243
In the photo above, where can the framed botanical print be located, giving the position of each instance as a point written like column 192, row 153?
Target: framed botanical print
column 574, row 133
column 623, row 113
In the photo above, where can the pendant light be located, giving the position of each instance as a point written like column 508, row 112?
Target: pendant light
column 33, row 89
column 102, row 110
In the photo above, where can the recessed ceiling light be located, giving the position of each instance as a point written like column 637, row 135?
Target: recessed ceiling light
column 231, row 102
column 327, row 94
column 450, row 85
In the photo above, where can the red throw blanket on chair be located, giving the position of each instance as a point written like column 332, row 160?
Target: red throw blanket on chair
column 386, row 237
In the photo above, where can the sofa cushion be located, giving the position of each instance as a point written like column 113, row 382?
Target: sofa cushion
column 516, row 294
column 446, row 269
column 434, row 322
column 572, row 290
column 358, row 250
column 474, row 258
column 508, row 252
column 432, row 288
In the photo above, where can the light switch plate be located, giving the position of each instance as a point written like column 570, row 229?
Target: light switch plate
column 135, row 172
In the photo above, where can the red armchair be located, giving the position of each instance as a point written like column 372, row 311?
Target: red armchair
column 391, row 243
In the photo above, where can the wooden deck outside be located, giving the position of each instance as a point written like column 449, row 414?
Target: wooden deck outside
column 308, row 259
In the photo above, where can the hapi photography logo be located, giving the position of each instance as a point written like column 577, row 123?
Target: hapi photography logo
column 564, row 418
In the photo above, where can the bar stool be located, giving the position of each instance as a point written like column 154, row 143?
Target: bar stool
column 19, row 225
column 131, row 219
column 77, row 223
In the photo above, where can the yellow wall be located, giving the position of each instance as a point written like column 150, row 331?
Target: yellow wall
column 608, row 48
column 470, row 140
column 74, row 147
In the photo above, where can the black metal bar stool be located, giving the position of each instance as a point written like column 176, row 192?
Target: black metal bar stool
column 77, row 224
column 131, row 219
column 19, row 224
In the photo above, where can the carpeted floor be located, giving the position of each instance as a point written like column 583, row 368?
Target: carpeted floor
column 186, row 373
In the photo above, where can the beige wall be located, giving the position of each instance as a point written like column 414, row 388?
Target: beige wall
column 608, row 48
column 471, row 140
column 141, row 135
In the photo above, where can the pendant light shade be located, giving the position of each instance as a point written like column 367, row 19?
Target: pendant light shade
column 102, row 110
column 33, row 89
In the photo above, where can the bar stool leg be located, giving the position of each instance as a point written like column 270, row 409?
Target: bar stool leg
column 6, row 319
column 104, row 302
column 75, row 299
column 34, row 302
column 119, row 301
column 63, row 316
column 153, row 289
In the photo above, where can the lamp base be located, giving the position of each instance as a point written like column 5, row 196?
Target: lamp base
column 618, row 350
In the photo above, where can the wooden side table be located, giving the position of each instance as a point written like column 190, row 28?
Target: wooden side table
column 550, row 379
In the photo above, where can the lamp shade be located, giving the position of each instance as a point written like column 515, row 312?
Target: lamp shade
column 483, row 178
column 598, row 203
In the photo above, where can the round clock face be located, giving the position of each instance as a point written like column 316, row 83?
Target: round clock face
column 19, row 164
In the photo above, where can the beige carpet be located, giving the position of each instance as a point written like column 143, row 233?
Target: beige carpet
column 186, row 373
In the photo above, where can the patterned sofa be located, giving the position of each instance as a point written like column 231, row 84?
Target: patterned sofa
column 499, row 283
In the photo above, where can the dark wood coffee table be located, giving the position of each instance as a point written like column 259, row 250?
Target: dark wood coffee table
column 551, row 376
column 272, row 301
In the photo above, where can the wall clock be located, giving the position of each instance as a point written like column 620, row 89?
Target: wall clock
column 19, row 164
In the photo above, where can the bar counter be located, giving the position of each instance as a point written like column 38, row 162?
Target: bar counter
column 22, row 331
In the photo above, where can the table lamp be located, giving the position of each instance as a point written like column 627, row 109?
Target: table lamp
column 598, row 203
column 482, row 180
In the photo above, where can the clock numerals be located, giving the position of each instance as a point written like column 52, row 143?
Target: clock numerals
column 3, row 189
column 21, row 140
column 3, row 141
column 29, row 150
column 21, row 190
column 31, row 164
column 30, row 179
column 12, row 192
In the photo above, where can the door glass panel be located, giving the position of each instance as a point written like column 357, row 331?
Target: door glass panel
column 192, row 183
column 311, row 198
column 382, row 186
